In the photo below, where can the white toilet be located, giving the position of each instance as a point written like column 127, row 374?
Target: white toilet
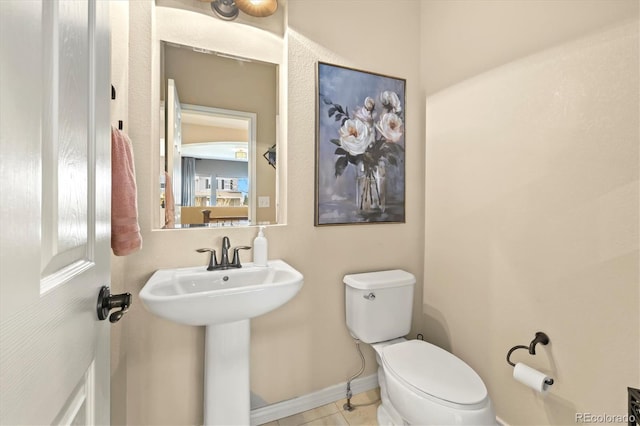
column 420, row 384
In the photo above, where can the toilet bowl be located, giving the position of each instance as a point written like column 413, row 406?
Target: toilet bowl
column 431, row 386
column 420, row 383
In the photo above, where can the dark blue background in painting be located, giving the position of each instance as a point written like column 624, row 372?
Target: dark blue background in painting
column 337, row 195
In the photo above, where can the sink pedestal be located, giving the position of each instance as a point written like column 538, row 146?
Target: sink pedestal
column 223, row 301
column 226, row 374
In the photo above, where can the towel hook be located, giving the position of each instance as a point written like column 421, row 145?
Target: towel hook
column 113, row 96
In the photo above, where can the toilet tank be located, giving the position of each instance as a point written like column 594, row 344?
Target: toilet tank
column 379, row 304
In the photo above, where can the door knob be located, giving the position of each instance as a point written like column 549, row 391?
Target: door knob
column 108, row 301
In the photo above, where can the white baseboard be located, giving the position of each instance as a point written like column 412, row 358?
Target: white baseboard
column 312, row 400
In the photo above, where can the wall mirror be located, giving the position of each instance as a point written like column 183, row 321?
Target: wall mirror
column 218, row 131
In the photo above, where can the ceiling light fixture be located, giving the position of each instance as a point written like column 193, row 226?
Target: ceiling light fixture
column 228, row 9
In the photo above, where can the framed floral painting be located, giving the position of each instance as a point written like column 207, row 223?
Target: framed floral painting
column 360, row 147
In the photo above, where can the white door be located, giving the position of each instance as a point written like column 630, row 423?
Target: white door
column 54, row 211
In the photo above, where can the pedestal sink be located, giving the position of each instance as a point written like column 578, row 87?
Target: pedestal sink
column 223, row 301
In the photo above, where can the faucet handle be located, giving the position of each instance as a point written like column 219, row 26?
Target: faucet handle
column 236, row 255
column 213, row 260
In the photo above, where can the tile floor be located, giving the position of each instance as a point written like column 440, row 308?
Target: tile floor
column 334, row 415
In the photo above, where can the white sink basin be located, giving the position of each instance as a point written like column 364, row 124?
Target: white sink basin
column 195, row 296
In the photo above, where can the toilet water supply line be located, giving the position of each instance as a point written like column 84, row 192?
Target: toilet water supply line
column 348, row 406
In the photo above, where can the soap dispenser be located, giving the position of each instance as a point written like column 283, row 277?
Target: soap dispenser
column 260, row 247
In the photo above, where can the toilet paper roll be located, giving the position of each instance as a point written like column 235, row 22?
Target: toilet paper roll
column 531, row 377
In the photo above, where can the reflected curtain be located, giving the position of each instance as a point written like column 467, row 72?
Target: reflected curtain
column 188, row 181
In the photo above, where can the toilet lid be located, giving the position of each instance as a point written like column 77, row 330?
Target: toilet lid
column 434, row 371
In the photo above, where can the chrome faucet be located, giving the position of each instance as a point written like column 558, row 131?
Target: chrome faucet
column 224, row 258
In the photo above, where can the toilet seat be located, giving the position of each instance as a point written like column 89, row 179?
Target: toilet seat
column 434, row 374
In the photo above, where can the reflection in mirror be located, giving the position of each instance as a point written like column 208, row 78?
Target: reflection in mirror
column 219, row 116
column 213, row 162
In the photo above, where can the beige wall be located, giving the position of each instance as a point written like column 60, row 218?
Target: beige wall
column 303, row 346
column 531, row 206
column 461, row 39
column 532, row 198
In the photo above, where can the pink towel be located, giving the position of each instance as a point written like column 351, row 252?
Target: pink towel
column 125, row 231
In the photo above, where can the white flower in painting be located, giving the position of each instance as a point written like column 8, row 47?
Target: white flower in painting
column 369, row 103
column 390, row 126
column 390, row 101
column 355, row 136
column 365, row 113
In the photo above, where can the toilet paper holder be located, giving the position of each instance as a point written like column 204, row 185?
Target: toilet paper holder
column 541, row 338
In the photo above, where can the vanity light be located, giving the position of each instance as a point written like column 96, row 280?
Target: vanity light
column 241, row 154
column 228, row 9
column 257, row 8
